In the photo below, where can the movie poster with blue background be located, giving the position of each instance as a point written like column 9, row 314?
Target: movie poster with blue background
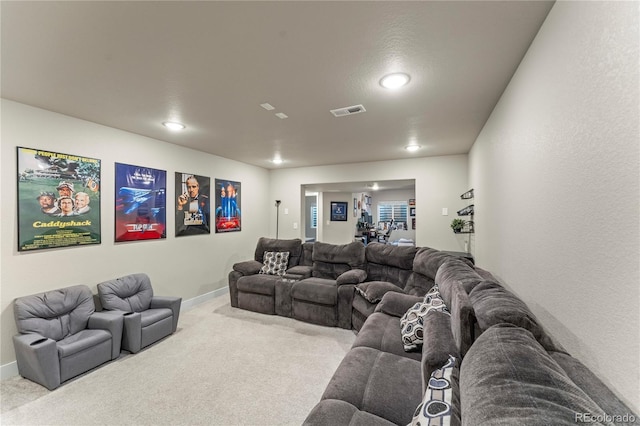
column 140, row 203
column 58, row 200
column 228, row 216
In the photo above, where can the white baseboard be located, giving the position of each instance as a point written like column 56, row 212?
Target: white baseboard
column 11, row 369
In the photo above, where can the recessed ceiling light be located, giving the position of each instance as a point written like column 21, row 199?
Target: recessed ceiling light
column 412, row 148
column 173, row 125
column 277, row 160
column 394, row 81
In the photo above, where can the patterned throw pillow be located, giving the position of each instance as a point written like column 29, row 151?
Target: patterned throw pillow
column 412, row 322
column 275, row 262
column 438, row 404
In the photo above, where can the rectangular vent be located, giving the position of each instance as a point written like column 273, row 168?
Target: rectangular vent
column 350, row 110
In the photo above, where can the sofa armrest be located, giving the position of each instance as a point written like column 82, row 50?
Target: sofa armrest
column 248, row 267
column 396, row 304
column 299, row 272
column 37, row 359
column 112, row 322
column 352, row 276
column 172, row 303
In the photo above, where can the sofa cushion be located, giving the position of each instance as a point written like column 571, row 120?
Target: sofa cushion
column 428, row 260
column 248, row 267
column 373, row 291
column 258, row 284
column 412, row 322
column 353, row 276
column 275, row 262
column 336, row 412
column 462, row 314
column 383, row 384
column 440, row 404
column 438, row 345
column 460, row 271
column 493, row 304
column 316, row 290
column 331, row 260
column 507, row 378
column 293, row 246
column 380, row 331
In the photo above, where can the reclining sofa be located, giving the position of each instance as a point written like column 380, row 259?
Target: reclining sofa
column 484, row 361
column 479, row 356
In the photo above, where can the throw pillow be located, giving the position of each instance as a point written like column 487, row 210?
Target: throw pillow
column 275, row 262
column 412, row 322
column 373, row 291
column 439, row 404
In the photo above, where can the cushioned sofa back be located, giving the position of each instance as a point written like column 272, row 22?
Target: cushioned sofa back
column 389, row 263
column 460, row 271
column 331, row 260
column 425, row 266
column 55, row 314
column 131, row 293
column 493, row 304
column 294, row 247
column 307, row 254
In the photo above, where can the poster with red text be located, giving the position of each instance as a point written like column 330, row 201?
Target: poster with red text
column 140, row 207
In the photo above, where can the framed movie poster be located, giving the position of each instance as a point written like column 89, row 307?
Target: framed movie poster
column 338, row 211
column 193, row 211
column 140, row 207
column 228, row 213
column 58, row 200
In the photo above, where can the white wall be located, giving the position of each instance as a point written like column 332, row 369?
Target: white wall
column 186, row 266
column 439, row 183
column 556, row 179
column 337, row 232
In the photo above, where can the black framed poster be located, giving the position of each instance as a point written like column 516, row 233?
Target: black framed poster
column 58, row 200
column 339, row 211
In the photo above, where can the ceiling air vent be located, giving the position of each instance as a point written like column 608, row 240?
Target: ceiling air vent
column 341, row 112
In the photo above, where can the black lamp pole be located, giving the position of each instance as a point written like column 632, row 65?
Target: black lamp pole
column 277, row 217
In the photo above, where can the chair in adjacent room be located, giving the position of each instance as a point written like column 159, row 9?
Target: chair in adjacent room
column 147, row 318
column 61, row 335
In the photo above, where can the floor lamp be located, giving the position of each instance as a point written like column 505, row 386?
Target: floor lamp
column 277, row 217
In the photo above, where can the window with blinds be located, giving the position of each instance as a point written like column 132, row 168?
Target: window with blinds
column 396, row 210
column 314, row 216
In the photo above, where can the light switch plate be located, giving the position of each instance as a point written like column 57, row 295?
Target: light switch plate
column 445, row 211
column 286, row 210
column 295, row 225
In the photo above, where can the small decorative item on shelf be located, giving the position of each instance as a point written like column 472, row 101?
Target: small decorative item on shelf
column 467, row 195
column 457, row 225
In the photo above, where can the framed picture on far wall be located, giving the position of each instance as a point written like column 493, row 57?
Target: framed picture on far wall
column 193, row 209
column 140, row 205
column 339, row 211
column 228, row 215
column 58, row 200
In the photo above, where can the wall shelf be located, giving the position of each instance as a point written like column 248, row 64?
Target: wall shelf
column 467, row 211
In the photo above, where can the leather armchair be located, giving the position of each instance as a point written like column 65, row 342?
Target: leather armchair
column 147, row 318
column 61, row 335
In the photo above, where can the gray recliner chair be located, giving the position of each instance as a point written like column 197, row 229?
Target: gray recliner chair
column 61, row 335
column 147, row 318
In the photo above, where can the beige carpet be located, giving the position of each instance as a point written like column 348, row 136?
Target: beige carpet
column 224, row 366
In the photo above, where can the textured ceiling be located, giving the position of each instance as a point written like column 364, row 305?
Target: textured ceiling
column 133, row 65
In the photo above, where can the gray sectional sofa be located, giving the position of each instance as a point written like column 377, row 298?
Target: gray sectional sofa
column 483, row 357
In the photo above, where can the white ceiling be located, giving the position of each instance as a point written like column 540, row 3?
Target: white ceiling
column 133, row 65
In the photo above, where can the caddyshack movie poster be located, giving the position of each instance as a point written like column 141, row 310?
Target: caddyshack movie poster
column 140, row 203
column 58, row 200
